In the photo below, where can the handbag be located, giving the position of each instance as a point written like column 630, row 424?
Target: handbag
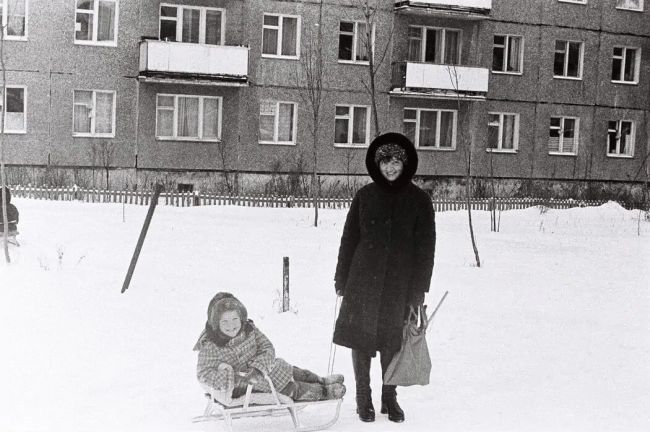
column 412, row 364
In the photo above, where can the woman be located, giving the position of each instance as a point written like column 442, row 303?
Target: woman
column 384, row 265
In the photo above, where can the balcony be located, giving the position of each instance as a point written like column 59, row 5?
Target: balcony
column 190, row 63
column 436, row 81
column 468, row 9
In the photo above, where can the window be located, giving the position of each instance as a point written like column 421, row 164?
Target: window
column 503, row 132
column 96, row 22
column 94, row 113
column 434, row 45
column 625, row 65
column 507, row 54
column 429, row 128
column 277, row 122
column 281, row 36
column 620, row 138
column 573, row 1
column 353, row 41
column 563, row 135
column 351, row 125
column 191, row 24
column 636, row 5
column 14, row 19
column 14, row 115
column 188, row 117
column 568, row 59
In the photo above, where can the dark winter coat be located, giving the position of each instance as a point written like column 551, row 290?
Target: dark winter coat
column 386, row 255
column 12, row 212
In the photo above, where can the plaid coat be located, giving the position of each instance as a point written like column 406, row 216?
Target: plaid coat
column 217, row 365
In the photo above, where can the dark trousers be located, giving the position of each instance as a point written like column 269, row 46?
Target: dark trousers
column 361, row 365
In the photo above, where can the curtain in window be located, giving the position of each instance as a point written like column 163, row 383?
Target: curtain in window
column 165, row 116
column 359, row 125
column 106, row 21
column 452, row 47
column 508, row 140
column 626, row 138
column 270, row 35
column 362, row 42
column 267, row 120
column 289, row 36
column 285, row 123
column 104, row 113
column 213, row 27
column 191, row 24
column 569, row 136
column 188, row 117
column 83, row 102
column 630, row 64
column 210, row 118
column 84, row 20
column 446, row 129
column 428, row 125
column 514, row 48
column 554, row 135
column 16, row 18
column 15, row 117
column 415, row 44
column 341, row 124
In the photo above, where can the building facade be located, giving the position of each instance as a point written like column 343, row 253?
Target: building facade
column 185, row 90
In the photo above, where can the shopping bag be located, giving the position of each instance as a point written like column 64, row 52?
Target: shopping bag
column 411, row 365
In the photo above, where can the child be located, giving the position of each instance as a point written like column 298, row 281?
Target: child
column 234, row 353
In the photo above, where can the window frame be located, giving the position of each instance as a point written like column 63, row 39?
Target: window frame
column 95, row 14
column 202, row 22
column 279, row 28
column 581, row 2
column 350, row 118
column 200, row 112
column 566, row 60
column 618, row 154
column 640, row 9
column 637, row 66
column 3, row 110
column 443, row 53
column 515, row 138
column 508, row 36
column 92, row 133
column 439, row 111
column 561, row 136
column 355, row 40
column 276, row 121
column 4, row 7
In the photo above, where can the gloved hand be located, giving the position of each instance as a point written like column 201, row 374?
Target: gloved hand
column 251, row 376
column 416, row 299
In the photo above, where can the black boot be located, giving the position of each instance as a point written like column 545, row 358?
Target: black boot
column 361, row 366
column 389, row 403
column 392, row 408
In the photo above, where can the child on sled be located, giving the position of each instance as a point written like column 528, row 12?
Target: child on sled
column 234, row 353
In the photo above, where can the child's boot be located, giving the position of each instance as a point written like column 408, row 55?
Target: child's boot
column 332, row 379
column 308, row 391
column 334, row 391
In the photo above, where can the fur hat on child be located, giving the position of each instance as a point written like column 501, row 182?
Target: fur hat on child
column 391, row 150
column 221, row 303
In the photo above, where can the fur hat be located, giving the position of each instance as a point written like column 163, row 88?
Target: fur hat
column 390, row 150
column 223, row 302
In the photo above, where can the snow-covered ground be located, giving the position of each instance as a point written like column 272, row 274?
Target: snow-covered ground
column 549, row 334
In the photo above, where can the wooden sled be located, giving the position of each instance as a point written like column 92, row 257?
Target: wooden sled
column 261, row 404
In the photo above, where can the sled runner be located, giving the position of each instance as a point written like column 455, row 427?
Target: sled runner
column 261, row 404
column 11, row 237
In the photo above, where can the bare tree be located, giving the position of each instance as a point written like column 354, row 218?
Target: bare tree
column 455, row 79
column 102, row 155
column 3, row 177
column 309, row 79
column 376, row 57
column 230, row 176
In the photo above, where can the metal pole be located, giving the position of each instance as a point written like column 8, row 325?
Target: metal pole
column 143, row 234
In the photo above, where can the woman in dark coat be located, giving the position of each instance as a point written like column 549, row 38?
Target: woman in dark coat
column 384, row 265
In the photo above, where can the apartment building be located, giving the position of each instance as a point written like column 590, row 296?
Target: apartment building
column 183, row 90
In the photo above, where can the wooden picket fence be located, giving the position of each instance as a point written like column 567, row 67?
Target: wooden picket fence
column 189, row 199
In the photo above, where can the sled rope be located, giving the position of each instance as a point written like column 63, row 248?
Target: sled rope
column 332, row 356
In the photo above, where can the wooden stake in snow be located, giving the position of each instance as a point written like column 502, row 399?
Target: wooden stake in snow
column 285, row 284
column 143, row 234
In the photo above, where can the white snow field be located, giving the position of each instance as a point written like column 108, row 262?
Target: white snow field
column 551, row 333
